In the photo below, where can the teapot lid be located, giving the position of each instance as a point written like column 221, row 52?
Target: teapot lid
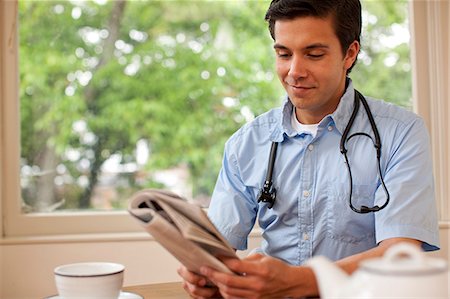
column 404, row 259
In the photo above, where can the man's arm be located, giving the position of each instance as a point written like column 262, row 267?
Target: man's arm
column 350, row 264
column 267, row 277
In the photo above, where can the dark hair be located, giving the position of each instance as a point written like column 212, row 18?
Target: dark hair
column 346, row 16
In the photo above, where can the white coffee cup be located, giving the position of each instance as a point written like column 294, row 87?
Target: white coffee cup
column 89, row 280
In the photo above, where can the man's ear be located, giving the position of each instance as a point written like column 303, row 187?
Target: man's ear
column 352, row 53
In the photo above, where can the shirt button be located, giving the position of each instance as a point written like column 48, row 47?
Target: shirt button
column 330, row 128
column 305, row 236
column 306, row 193
column 310, row 147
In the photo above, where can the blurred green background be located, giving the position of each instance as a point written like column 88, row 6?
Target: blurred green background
column 117, row 96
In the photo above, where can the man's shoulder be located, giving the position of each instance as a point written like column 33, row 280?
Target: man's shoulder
column 392, row 113
column 260, row 127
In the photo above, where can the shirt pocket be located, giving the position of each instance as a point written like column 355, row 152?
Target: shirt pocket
column 345, row 225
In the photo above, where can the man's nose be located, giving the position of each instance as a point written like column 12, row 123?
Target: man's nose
column 298, row 68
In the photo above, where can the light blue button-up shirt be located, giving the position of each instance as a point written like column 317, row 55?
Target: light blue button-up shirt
column 311, row 215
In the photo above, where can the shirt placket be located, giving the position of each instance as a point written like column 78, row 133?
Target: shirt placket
column 305, row 202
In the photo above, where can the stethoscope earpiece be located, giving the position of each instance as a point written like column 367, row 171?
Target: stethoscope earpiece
column 376, row 143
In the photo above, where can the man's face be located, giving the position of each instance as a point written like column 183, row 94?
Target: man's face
column 311, row 66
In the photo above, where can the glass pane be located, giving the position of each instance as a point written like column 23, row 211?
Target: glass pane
column 384, row 66
column 118, row 96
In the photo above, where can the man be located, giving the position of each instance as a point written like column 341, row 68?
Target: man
column 316, row 46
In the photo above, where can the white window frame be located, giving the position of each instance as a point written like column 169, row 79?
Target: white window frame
column 429, row 29
column 430, row 45
column 15, row 223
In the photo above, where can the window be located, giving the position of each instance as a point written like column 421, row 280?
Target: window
column 127, row 94
column 430, row 45
column 134, row 94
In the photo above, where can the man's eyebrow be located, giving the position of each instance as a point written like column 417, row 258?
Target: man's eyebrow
column 315, row 46
column 280, row 47
column 309, row 47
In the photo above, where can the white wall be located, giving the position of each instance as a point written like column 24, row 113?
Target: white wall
column 27, row 267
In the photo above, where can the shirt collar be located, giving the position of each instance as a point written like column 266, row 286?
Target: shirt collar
column 339, row 117
column 284, row 127
column 342, row 114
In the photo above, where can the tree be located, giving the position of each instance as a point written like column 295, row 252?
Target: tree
column 181, row 76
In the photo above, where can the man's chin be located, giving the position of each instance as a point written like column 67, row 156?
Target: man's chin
column 298, row 102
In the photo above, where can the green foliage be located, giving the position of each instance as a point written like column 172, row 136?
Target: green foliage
column 384, row 68
column 179, row 75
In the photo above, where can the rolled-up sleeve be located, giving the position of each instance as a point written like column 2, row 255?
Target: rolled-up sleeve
column 411, row 212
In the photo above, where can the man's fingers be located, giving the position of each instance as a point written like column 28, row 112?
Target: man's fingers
column 199, row 292
column 227, row 280
column 248, row 266
column 254, row 257
column 191, row 277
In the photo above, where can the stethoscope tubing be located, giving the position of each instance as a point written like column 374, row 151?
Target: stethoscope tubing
column 268, row 192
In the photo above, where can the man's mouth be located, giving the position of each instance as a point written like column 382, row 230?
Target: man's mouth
column 301, row 87
column 300, row 90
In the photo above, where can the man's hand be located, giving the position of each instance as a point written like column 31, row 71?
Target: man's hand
column 261, row 277
column 196, row 285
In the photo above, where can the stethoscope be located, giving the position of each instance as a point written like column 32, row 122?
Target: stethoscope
column 268, row 192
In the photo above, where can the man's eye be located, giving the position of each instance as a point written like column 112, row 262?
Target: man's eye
column 283, row 55
column 316, row 56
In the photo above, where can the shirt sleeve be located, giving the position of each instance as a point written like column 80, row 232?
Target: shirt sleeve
column 411, row 212
column 232, row 209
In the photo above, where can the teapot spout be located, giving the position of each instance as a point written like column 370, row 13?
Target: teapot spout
column 330, row 278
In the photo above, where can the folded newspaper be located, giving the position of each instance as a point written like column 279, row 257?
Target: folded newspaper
column 182, row 228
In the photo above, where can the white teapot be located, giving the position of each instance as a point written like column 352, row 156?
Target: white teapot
column 403, row 272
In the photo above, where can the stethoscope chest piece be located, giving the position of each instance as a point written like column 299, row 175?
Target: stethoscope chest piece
column 268, row 193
